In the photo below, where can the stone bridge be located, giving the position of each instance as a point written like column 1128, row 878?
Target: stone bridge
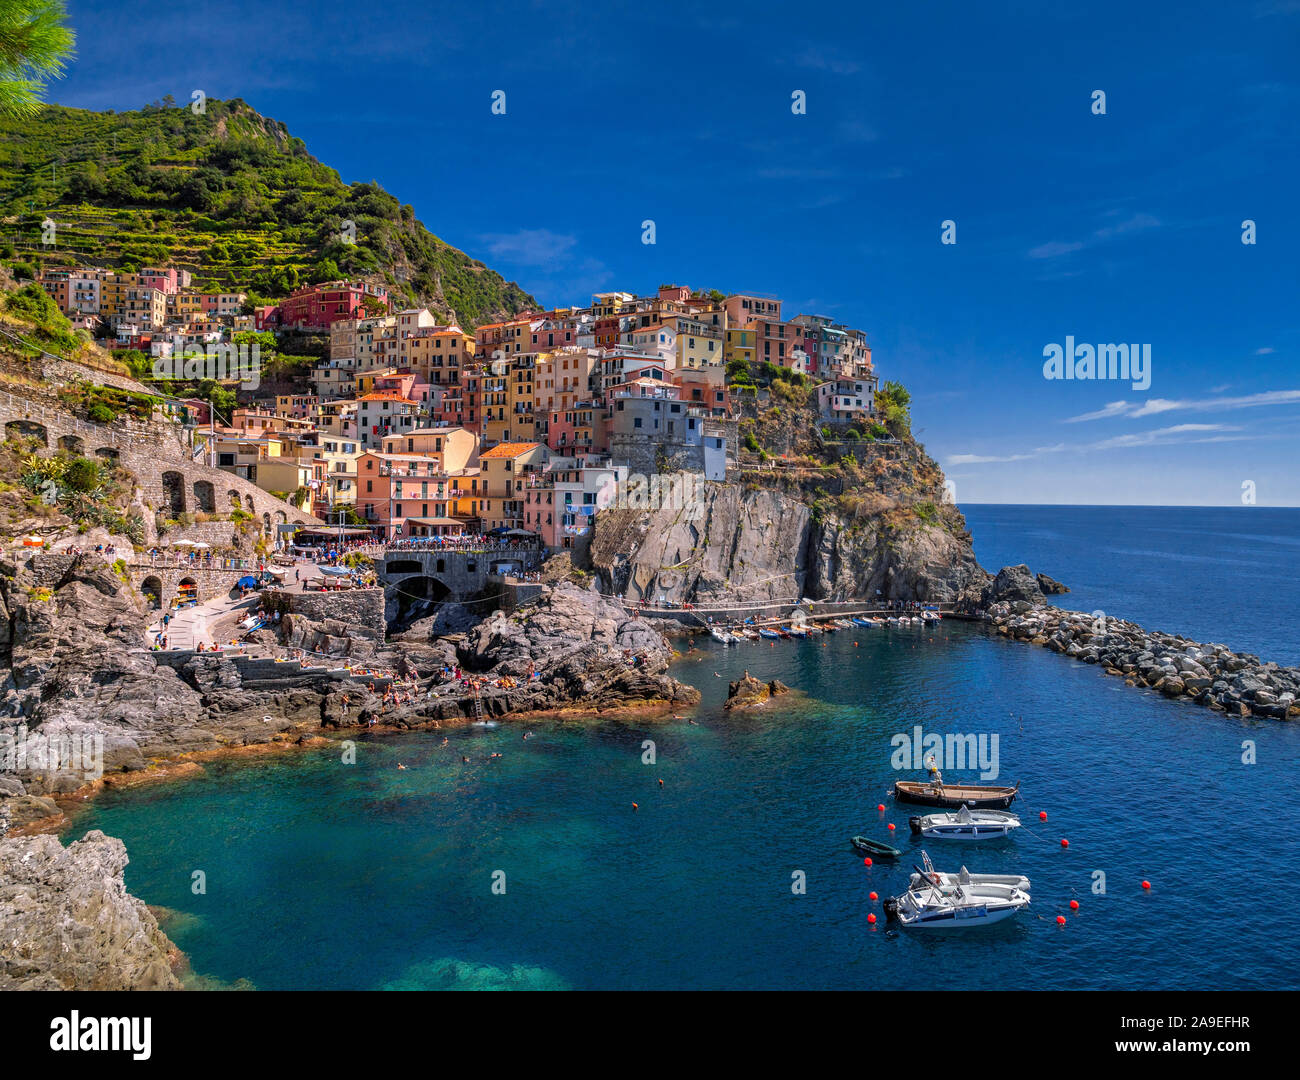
column 170, row 480
column 429, row 576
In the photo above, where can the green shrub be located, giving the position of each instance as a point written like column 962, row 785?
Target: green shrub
column 101, row 414
column 83, row 475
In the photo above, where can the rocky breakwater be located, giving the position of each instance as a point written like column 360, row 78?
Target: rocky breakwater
column 68, row 923
column 1211, row 675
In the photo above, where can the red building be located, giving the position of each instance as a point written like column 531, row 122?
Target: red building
column 316, row 307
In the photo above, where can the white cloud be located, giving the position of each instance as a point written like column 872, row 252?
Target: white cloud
column 530, row 247
column 1155, row 406
column 1138, row 222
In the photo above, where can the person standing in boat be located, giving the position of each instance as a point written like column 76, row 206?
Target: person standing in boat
column 936, row 777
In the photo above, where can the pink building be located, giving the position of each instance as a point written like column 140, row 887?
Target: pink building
column 166, row 279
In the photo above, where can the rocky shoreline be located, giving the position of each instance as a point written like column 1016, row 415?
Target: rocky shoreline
column 70, row 633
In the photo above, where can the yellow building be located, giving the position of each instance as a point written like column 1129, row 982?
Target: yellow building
column 740, row 345
column 453, row 448
column 437, row 354
column 505, row 469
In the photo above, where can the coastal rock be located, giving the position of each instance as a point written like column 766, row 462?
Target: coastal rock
column 68, row 923
column 573, row 647
column 748, row 691
column 1050, row 586
column 1014, row 584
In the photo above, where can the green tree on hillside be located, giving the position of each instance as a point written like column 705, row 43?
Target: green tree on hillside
column 893, row 403
column 34, row 47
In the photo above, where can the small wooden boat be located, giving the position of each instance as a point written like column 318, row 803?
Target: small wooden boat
column 797, row 631
column 965, row 824
column 874, row 847
column 765, row 632
column 951, row 796
column 861, row 622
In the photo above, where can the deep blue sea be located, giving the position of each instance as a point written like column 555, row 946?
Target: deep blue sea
column 321, row 874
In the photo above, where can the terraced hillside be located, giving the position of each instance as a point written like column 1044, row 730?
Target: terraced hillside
column 229, row 195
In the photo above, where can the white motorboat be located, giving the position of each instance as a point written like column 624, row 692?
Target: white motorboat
column 931, row 877
column 843, row 624
column 956, row 908
column 965, row 824
column 721, row 636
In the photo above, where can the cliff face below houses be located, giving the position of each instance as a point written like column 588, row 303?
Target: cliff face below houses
column 826, row 520
column 752, row 545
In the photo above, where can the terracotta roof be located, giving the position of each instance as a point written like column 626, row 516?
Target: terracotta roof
column 509, row 450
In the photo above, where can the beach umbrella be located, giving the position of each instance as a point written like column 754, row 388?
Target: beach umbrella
column 201, row 544
column 32, row 540
column 247, row 582
column 185, row 543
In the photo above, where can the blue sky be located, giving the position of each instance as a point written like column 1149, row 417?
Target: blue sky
column 1123, row 227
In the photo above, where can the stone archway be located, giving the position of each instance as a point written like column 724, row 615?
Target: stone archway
column 393, row 567
column 281, row 518
column 205, row 496
column 153, row 591
column 109, row 453
column 266, row 522
column 417, row 596
column 26, row 429
column 248, row 504
column 233, row 496
column 73, row 444
column 174, row 491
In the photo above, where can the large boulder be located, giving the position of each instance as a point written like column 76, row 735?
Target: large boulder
column 68, row 923
column 1014, row 584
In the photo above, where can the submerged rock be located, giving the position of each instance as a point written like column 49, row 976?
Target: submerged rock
column 451, row 974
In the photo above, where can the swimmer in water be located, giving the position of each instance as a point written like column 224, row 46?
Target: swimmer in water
column 400, row 765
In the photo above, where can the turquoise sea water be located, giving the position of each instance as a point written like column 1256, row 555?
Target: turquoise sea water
column 322, row 875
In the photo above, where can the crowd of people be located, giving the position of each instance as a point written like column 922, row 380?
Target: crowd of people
column 463, row 542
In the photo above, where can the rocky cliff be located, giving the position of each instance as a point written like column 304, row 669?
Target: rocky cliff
column 751, row 543
column 68, row 923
